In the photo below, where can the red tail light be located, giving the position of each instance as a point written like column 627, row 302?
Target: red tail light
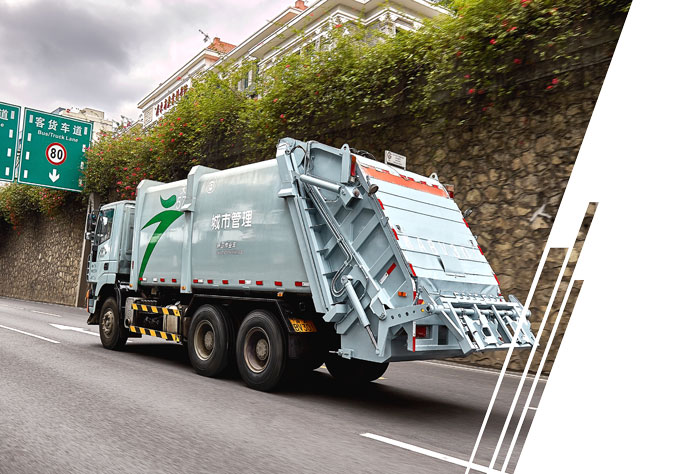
column 421, row 332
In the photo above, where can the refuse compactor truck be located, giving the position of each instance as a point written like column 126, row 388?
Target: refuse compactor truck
column 320, row 255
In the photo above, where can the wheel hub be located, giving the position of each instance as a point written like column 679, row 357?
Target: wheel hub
column 257, row 350
column 204, row 340
column 262, row 349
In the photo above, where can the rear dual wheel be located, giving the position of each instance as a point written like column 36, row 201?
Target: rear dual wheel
column 261, row 351
column 211, row 342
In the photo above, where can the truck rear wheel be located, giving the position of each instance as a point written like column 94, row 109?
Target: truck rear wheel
column 112, row 333
column 211, row 342
column 261, row 355
column 355, row 371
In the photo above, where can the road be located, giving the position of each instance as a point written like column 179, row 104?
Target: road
column 69, row 405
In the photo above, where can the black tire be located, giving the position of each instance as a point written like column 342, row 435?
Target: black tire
column 211, row 342
column 354, row 371
column 112, row 333
column 261, row 353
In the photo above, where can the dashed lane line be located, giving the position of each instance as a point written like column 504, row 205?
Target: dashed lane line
column 29, row 334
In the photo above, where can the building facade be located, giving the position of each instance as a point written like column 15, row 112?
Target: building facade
column 294, row 28
column 100, row 124
column 167, row 93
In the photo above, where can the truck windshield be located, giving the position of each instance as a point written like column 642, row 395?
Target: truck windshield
column 103, row 230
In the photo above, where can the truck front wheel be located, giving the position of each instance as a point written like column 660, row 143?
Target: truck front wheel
column 261, row 355
column 112, row 334
column 211, row 342
column 354, row 371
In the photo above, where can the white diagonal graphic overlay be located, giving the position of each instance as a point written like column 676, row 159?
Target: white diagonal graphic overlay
column 546, row 351
column 427, row 452
column 529, row 361
column 522, row 320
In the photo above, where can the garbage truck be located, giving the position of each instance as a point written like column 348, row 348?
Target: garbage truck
column 321, row 255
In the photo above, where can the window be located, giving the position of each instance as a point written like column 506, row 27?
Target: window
column 104, row 222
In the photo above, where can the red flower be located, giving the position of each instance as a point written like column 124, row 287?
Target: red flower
column 178, row 119
column 180, row 134
column 172, row 140
column 282, row 116
column 337, row 25
column 467, row 76
column 150, row 149
column 512, row 28
column 274, row 100
column 458, row 54
column 493, row 41
column 222, row 120
column 119, row 182
column 517, row 61
column 549, row 87
column 471, row 91
column 287, row 66
column 555, row 81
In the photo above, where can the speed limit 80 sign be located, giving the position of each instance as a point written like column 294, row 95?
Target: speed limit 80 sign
column 53, row 152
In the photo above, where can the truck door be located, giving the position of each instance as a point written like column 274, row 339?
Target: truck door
column 101, row 256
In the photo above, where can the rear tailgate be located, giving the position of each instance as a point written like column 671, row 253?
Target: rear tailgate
column 431, row 232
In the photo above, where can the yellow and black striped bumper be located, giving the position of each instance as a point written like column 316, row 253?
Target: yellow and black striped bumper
column 155, row 309
column 151, row 332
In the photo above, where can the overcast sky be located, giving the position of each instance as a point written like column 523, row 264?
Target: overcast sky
column 109, row 54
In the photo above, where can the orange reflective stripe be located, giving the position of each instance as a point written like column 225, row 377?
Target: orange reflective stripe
column 408, row 183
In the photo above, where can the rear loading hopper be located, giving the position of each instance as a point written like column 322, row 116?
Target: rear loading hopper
column 390, row 260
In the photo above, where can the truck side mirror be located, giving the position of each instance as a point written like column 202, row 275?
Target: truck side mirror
column 92, row 223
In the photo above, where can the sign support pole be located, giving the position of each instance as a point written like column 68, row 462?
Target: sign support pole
column 82, row 289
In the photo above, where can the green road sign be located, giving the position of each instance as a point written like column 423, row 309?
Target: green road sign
column 9, row 136
column 53, row 150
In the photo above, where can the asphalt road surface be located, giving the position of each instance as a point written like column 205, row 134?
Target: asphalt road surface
column 69, row 405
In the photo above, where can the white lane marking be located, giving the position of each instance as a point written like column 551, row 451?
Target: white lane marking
column 29, row 334
column 75, row 329
column 478, row 369
column 47, row 314
column 427, row 452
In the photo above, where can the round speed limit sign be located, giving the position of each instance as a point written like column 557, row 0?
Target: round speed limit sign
column 55, row 153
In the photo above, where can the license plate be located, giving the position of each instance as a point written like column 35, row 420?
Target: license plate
column 300, row 325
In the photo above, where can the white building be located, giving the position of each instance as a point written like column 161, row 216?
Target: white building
column 295, row 27
column 100, row 124
column 168, row 92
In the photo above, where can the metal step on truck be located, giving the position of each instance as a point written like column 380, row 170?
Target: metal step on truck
column 318, row 256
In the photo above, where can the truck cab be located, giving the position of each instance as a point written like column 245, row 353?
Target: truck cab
column 110, row 231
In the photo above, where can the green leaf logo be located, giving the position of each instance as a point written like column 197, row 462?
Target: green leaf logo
column 164, row 219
